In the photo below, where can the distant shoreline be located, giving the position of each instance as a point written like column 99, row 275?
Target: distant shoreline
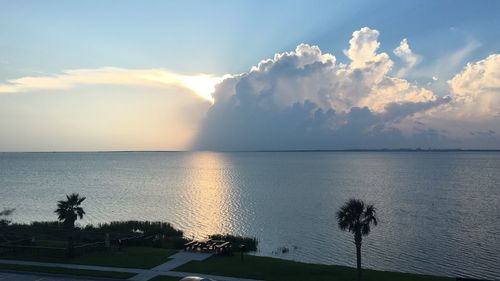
column 243, row 151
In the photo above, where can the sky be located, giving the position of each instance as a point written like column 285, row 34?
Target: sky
column 249, row 75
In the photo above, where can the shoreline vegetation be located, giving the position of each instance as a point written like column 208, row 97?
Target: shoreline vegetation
column 42, row 235
column 147, row 244
column 146, row 255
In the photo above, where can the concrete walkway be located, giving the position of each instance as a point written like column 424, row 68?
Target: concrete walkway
column 181, row 258
column 175, row 261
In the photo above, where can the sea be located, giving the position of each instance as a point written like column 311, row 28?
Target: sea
column 439, row 211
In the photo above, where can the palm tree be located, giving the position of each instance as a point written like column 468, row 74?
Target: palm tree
column 356, row 216
column 68, row 211
column 3, row 216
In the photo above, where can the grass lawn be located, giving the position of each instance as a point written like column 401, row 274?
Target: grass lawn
column 59, row 270
column 165, row 278
column 272, row 269
column 131, row 257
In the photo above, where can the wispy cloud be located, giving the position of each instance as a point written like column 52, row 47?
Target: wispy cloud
column 405, row 53
column 202, row 85
column 448, row 64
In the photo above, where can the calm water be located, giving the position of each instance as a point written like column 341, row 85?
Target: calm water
column 439, row 211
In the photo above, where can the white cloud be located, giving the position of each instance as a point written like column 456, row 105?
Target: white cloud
column 477, row 87
column 472, row 118
column 200, row 84
column 362, row 46
column 305, row 99
column 404, row 52
column 448, row 64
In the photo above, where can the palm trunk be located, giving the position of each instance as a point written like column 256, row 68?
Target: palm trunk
column 71, row 246
column 71, row 243
column 357, row 241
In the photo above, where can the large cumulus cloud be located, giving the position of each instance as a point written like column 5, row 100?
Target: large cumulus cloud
column 472, row 118
column 305, row 99
column 477, row 88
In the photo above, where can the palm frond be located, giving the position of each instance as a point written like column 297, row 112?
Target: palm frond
column 6, row 212
column 69, row 211
column 356, row 216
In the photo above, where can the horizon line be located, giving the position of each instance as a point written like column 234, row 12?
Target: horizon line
column 271, row 150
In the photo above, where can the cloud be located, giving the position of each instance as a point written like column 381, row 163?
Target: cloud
column 304, row 99
column 145, row 109
column 200, row 84
column 472, row 117
column 477, row 88
column 448, row 64
column 404, row 52
column 362, row 48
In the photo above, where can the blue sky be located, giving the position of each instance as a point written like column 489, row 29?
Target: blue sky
column 48, row 38
column 225, row 36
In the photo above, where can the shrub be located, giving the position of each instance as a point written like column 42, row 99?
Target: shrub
column 143, row 227
column 173, row 242
column 250, row 243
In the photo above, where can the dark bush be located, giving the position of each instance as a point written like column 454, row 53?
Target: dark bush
column 250, row 243
column 175, row 242
column 144, row 227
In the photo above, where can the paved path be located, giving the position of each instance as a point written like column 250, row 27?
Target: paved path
column 177, row 260
column 174, row 261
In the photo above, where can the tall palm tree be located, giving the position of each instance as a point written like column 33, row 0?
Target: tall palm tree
column 69, row 210
column 356, row 216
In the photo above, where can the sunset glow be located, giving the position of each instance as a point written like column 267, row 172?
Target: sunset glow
column 203, row 85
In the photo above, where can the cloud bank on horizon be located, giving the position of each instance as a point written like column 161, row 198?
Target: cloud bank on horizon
column 306, row 99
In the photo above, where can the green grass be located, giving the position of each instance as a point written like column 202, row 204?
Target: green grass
column 68, row 271
column 130, row 257
column 165, row 278
column 272, row 269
